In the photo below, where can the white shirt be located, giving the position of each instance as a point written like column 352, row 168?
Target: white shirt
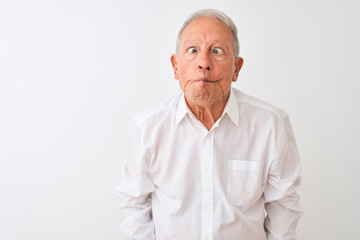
column 236, row 181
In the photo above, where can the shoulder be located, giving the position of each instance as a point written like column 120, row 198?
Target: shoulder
column 256, row 105
column 156, row 114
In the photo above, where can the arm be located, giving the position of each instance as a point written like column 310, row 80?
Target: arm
column 281, row 198
column 135, row 191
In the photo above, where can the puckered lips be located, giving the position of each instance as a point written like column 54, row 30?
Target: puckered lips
column 206, row 80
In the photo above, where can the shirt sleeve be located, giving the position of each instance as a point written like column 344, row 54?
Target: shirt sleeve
column 281, row 197
column 135, row 190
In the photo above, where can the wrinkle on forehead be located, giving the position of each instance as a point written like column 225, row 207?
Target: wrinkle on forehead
column 196, row 36
column 198, row 41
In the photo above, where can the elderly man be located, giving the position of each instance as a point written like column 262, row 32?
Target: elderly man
column 212, row 162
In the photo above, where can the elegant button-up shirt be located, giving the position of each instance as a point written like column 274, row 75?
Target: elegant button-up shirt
column 237, row 180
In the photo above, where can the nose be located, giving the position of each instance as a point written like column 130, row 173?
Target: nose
column 204, row 61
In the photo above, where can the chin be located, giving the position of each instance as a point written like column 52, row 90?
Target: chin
column 202, row 97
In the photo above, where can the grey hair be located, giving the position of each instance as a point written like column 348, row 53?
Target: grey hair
column 212, row 13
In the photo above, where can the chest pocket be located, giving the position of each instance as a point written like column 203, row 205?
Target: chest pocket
column 244, row 185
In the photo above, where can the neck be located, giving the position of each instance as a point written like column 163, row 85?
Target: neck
column 208, row 114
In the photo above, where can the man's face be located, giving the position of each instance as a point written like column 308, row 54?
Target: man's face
column 205, row 64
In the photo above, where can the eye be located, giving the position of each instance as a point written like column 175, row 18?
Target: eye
column 218, row 51
column 192, row 50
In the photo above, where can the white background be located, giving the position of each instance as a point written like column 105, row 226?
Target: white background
column 72, row 73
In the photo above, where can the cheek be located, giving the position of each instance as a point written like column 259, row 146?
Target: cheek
column 182, row 83
column 185, row 67
column 230, row 71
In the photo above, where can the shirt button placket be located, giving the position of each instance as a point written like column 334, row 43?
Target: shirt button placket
column 207, row 187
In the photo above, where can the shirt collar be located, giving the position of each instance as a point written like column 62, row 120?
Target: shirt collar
column 182, row 109
column 231, row 109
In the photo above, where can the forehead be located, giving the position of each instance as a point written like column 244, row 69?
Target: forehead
column 207, row 29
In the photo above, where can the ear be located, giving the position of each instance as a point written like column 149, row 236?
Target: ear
column 174, row 63
column 238, row 64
